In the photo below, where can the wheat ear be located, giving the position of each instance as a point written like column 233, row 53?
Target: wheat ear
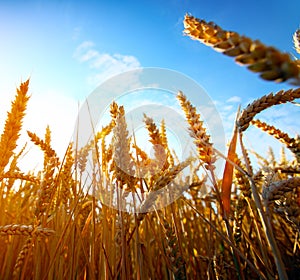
column 13, row 125
column 268, row 61
column 173, row 253
column 122, row 165
column 198, row 132
column 29, row 230
column 286, row 195
column 291, row 143
column 21, row 257
column 265, row 102
column 296, row 40
column 158, row 141
column 166, row 178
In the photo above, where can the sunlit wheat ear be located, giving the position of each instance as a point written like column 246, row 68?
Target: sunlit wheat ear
column 49, row 153
column 21, row 257
column 67, row 183
column 20, row 176
column 198, row 132
column 265, row 102
column 29, row 230
column 158, row 141
column 296, row 40
column 48, row 184
column 291, row 143
column 268, row 61
column 163, row 134
column 13, row 125
column 122, row 166
column 163, row 180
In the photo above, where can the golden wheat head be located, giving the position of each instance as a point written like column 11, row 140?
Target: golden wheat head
column 272, row 64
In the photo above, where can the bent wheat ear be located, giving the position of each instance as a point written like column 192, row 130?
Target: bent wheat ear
column 272, row 64
column 291, row 143
column 265, row 102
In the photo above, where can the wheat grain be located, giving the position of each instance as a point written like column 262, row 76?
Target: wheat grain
column 271, row 63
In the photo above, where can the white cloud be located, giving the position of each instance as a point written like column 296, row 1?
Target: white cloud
column 234, row 99
column 103, row 65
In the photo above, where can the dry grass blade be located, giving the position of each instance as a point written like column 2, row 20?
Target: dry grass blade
column 271, row 63
column 228, row 174
column 265, row 102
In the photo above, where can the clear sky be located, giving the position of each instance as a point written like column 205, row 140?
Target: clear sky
column 69, row 47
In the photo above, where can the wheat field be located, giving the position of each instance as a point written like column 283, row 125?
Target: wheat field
column 54, row 225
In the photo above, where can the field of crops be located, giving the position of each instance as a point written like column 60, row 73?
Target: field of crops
column 55, row 225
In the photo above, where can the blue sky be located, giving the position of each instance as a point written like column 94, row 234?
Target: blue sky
column 69, row 47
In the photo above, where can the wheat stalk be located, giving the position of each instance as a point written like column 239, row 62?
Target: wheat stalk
column 268, row 61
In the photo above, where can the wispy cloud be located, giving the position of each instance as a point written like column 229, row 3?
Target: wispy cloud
column 102, row 64
column 234, row 99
